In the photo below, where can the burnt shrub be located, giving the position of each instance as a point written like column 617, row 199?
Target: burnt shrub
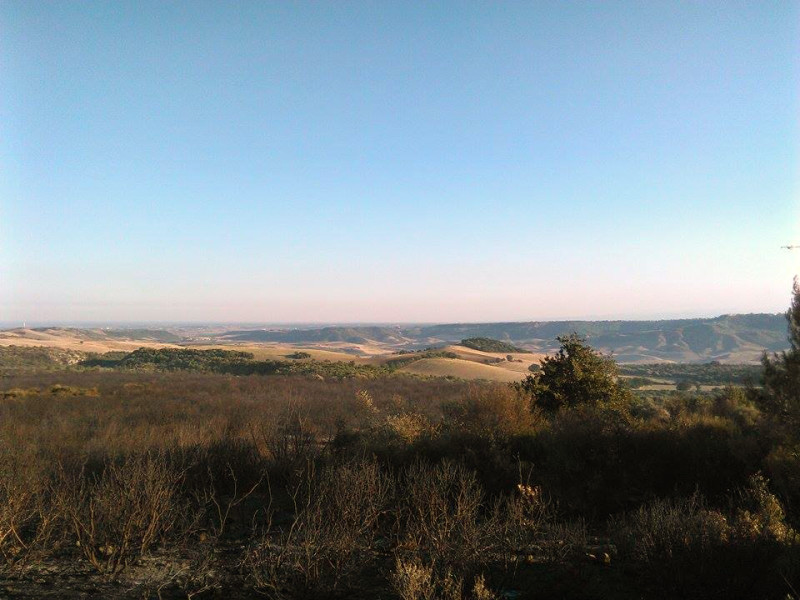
column 29, row 525
column 338, row 512
column 129, row 508
column 442, row 516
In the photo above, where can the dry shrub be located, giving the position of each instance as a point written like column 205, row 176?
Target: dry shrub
column 365, row 410
column 395, row 404
column 532, row 531
column 480, row 591
column 529, row 527
column 26, row 517
column 689, row 549
column 441, row 517
column 222, row 467
column 664, row 529
column 337, row 516
column 289, row 441
column 118, row 515
column 413, row 580
column 399, row 431
column 760, row 514
column 565, row 540
column 497, row 411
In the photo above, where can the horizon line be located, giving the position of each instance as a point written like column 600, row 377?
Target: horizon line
column 20, row 324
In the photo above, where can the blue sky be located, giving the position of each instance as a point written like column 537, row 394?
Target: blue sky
column 397, row 161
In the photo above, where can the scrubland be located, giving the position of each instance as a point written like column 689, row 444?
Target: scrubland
column 191, row 485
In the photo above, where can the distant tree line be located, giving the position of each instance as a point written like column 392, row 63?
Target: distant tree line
column 489, row 345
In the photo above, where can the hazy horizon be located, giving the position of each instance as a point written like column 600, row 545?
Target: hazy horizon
column 397, row 163
column 4, row 325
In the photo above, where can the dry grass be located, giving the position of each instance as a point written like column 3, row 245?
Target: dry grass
column 73, row 339
column 462, row 369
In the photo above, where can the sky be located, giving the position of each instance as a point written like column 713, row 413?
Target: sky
column 397, row 161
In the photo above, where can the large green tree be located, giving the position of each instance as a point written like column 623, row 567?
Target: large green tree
column 780, row 393
column 576, row 375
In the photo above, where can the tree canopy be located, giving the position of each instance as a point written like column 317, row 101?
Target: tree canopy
column 781, row 378
column 576, row 375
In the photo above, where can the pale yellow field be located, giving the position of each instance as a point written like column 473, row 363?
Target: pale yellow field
column 464, row 369
column 478, row 356
column 70, row 340
column 470, row 363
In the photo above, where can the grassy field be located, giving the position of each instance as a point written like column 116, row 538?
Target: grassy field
column 76, row 339
column 463, row 369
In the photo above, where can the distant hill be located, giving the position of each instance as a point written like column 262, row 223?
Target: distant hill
column 88, row 340
column 728, row 338
column 351, row 335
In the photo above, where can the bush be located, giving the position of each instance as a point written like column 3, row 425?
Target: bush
column 441, row 516
column 27, row 518
column 489, row 345
column 119, row 515
column 413, row 580
column 337, row 514
column 490, row 412
column 783, row 466
column 598, row 461
column 685, row 548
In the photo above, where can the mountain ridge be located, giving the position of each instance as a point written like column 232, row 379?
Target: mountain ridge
column 732, row 338
column 728, row 338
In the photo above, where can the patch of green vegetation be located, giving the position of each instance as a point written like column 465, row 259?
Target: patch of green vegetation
column 169, row 359
column 38, row 358
column 232, row 363
column 712, row 373
column 159, row 335
column 640, row 382
column 106, row 360
column 489, row 345
column 407, row 358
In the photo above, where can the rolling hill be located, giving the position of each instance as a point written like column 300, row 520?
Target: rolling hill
column 728, row 338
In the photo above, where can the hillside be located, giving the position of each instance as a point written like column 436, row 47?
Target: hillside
column 462, row 369
column 88, row 340
column 728, row 338
column 352, row 335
